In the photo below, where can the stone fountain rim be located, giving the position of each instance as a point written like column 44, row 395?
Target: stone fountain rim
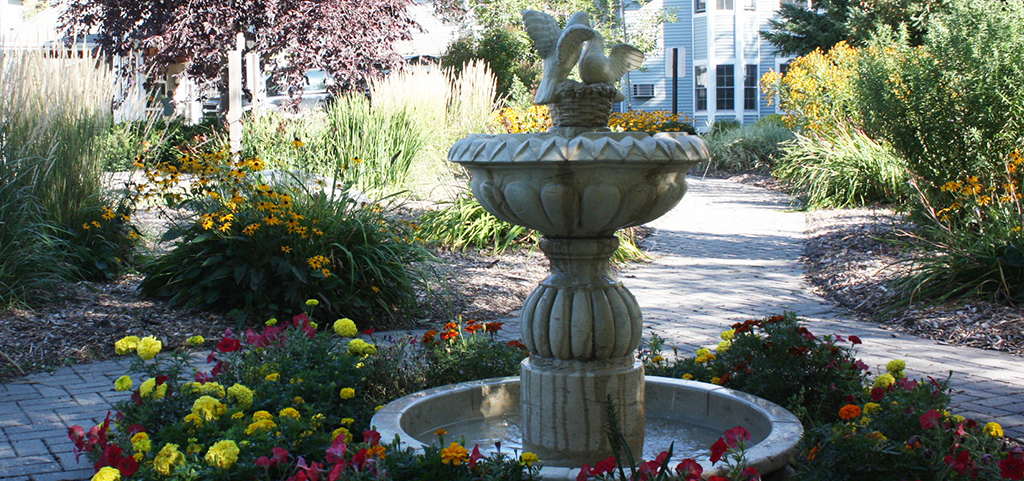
column 779, row 445
column 589, row 147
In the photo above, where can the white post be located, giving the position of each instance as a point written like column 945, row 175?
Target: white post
column 234, row 114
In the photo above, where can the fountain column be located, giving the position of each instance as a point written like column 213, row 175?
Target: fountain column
column 581, row 326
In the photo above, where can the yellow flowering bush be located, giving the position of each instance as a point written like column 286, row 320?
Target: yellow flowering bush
column 511, row 120
column 650, row 122
column 817, row 92
column 284, row 241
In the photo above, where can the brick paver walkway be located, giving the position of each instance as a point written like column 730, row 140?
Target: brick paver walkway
column 728, row 252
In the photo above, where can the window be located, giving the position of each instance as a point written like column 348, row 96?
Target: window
column 700, row 87
column 750, row 88
column 725, row 95
column 700, row 6
column 725, row 4
column 784, row 68
column 749, row 4
column 799, row 3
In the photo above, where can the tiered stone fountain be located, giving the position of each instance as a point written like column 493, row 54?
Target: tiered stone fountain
column 577, row 184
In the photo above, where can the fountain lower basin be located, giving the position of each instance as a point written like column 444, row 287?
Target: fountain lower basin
column 692, row 414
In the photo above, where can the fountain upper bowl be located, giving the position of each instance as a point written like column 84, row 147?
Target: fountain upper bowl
column 585, row 186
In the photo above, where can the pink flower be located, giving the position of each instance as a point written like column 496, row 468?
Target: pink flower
column 961, row 463
column 735, row 435
column 1012, row 467
column 475, row 456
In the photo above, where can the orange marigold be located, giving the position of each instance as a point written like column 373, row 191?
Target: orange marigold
column 849, row 412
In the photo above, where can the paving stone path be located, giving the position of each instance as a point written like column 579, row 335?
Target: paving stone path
column 727, row 253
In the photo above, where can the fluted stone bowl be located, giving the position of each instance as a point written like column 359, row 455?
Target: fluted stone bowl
column 586, row 186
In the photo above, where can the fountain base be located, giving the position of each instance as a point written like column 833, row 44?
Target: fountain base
column 691, row 414
column 565, row 408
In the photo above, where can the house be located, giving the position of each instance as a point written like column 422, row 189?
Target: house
column 720, row 60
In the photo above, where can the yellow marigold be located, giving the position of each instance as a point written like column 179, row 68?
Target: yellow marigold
column 312, row 302
column 147, row 387
column 348, row 421
column 223, row 454
column 289, row 413
column 728, row 335
column 167, row 459
column 849, row 412
column 885, row 380
column 359, row 347
column 993, row 429
column 724, row 346
column 345, row 327
column 528, row 459
column 703, row 351
column 273, row 376
column 107, row 473
column 193, row 420
column 657, row 359
column 454, row 454
column 347, row 393
column 213, row 389
column 241, row 395
column 148, row 348
column 196, row 340
column 126, row 345
column 871, row 408
column 238, row 415
column 258, row 415
column 958, row 418
column 208, row 408
column 260, row 426
column 271, row 322
column 298, row 400
column 143, row 446
column 896, row 365
column 342, row 431
column 123, row 383
column 687, row 376
column 716, row 380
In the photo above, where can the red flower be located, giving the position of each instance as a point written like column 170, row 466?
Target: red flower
column 961, row 463
column 735, row 435
column 717, row 450
column 372, row 437
column 717, row 478
column 855, row 340
column 337, row 450
column 605, row 466
column 473, row 327
column 280, row 455
column 228, row 344
column 690, row 470
column 515, row 343
column 750, row 474
column 475, row 456
column 446, row 335
column 930, row 419
column 370, row 331
column 493, row 327
column 128, row 466
column 309, row 472
column 111, row 456
column 877, row 393
column 1012, row 467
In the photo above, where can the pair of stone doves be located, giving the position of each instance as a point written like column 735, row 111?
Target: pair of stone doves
column 561, row 50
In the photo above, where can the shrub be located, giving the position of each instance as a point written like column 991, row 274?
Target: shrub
column 842, row 168
column 775, row 358
column 818, row 91
column 651, row 122
column 463, row 223
column 976, row 243
column 455, row 357
column 293, row 399
column 952, row 106
column 255, row 244
column 512, row 120
column 748, row 148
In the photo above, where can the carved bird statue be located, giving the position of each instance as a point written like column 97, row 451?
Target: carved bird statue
column 559, row 48
column 596, row 67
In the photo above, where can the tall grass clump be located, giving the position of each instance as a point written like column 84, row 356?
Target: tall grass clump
column 842, row 168
column 749, row 148
column 53, row 110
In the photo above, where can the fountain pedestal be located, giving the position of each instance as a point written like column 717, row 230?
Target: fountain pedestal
column 581, row 326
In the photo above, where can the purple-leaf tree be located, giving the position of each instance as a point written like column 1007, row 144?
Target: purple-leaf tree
column 352, row 40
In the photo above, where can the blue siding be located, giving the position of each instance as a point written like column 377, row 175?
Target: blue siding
column 712, row 38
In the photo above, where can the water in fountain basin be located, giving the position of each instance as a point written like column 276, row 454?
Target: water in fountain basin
column 691, row 440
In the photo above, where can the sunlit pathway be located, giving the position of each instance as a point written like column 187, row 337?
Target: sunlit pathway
column 727, row 253
column 730, row 252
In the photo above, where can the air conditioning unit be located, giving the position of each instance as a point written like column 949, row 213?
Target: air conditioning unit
column 643, row 90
